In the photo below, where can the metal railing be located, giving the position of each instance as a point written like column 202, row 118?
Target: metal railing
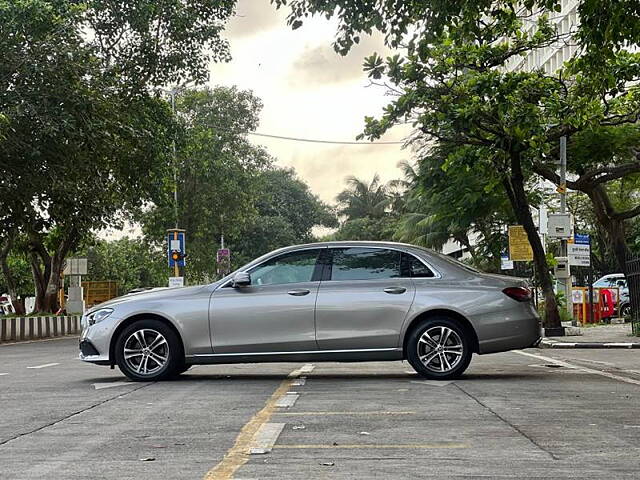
column 633, row 281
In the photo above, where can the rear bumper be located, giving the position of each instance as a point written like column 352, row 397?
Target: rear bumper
column 520, row 328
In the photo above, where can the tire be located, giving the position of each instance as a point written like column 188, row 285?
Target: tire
column 154, row 351
column 433, row 360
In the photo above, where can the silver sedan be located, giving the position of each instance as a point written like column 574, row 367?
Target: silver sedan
column 333, row 301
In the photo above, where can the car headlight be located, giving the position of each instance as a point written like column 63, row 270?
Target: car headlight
column 98, row 316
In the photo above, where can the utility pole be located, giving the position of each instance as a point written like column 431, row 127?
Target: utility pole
column 563, row 210
column 175, row 159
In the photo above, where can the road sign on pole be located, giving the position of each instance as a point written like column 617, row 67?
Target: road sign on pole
column 579, row 252
column 519, row 246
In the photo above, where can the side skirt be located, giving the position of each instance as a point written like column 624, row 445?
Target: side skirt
column 365, row 355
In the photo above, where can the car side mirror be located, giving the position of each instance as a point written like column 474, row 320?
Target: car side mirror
column 241, row 279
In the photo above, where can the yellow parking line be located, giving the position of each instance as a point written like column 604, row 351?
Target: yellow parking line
column 407, row 446
column 238, row 455
column 346, row 413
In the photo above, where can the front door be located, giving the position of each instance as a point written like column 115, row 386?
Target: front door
column 275, row 313
column 364, row 302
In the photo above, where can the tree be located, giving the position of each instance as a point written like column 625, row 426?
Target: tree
column 228, row 186
column 458, row 204
column 81, row 138
column 131, row 262
column 362, row 200
column 453, row 86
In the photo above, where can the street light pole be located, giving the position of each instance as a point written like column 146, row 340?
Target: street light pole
column 175, row 159
column 563, row 210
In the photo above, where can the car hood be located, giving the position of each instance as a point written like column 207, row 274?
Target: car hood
column 159, row 293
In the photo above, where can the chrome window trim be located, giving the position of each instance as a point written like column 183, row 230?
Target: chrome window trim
column 436, row 273
column 299, row 352
column 251, row 267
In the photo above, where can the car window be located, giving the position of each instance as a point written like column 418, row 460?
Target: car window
column 360, row 263
column 292, row 267
column 412, row 267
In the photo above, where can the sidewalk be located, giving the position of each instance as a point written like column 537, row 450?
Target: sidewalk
column 600, row 336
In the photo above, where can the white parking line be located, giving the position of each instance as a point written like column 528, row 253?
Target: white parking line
column 583, row 369
column 287, row 400
column 265, row 438
column 45, row 365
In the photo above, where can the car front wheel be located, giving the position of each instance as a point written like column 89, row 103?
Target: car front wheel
column 148, row 350
column 439, row 349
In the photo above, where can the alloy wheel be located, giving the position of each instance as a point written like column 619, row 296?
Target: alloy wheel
column 440, row 349
column 146, row 351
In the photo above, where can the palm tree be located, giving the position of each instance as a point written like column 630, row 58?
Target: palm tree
column 362, row 200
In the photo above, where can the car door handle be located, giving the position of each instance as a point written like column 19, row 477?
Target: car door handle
column 395, row 290
column 298, row 292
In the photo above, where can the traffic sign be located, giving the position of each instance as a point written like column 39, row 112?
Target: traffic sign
column 519, row 246
column 505, row 263
column 176, row 251
column 581, row 239
column 579, row 254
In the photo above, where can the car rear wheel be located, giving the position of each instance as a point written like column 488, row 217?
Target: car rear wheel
column 148, row 350
column 439, row 349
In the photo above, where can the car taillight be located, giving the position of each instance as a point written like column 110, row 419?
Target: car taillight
column 521, row 294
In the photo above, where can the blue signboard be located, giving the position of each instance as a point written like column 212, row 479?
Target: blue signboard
column 176, row 242
column 581, row 239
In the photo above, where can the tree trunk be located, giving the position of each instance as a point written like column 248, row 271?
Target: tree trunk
column 18, row 305
column 514, row 185
column 614, row 227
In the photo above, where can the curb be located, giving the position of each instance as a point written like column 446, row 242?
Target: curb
column 546, row 343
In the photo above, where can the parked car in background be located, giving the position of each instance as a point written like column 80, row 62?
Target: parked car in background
column 332, row 301
column 619, row 281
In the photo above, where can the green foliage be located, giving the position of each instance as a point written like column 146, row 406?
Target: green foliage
column 82, row 140
column 360, row 200
column 367, row 228
column 21, row 272
column 132, row 263
column 228, row 186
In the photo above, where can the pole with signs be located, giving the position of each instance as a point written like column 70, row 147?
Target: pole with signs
column 562, row 190
column 176, row 255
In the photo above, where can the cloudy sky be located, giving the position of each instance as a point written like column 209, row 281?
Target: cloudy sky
column 309, row 91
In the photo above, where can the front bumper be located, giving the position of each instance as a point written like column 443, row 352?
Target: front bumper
column 95, row 341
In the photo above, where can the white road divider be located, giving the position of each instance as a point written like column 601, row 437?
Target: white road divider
column 16, row 329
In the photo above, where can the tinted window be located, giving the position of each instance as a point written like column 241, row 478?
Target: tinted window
column 365, row 264
column 293, row 267
column 412, row 267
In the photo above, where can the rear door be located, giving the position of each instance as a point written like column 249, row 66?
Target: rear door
column 363, row 299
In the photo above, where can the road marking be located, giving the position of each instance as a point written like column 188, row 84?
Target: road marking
column 239, row 454
column 45, row 365
column 1, row 374
column 100, row 386
column 583, row 369
column 24, row 342
column 299, row 382
column 266, row 437
column 346, row 413
column 425, row 446
column 287, row 401
column 433, row 383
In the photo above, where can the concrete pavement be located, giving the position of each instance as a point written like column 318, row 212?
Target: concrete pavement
column 535, row 414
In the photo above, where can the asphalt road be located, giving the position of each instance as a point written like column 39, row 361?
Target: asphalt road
column 532, row 414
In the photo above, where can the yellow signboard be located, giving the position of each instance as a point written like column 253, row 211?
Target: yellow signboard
column 519, row 246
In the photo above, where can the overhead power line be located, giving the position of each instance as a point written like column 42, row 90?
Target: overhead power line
column 314, row 140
